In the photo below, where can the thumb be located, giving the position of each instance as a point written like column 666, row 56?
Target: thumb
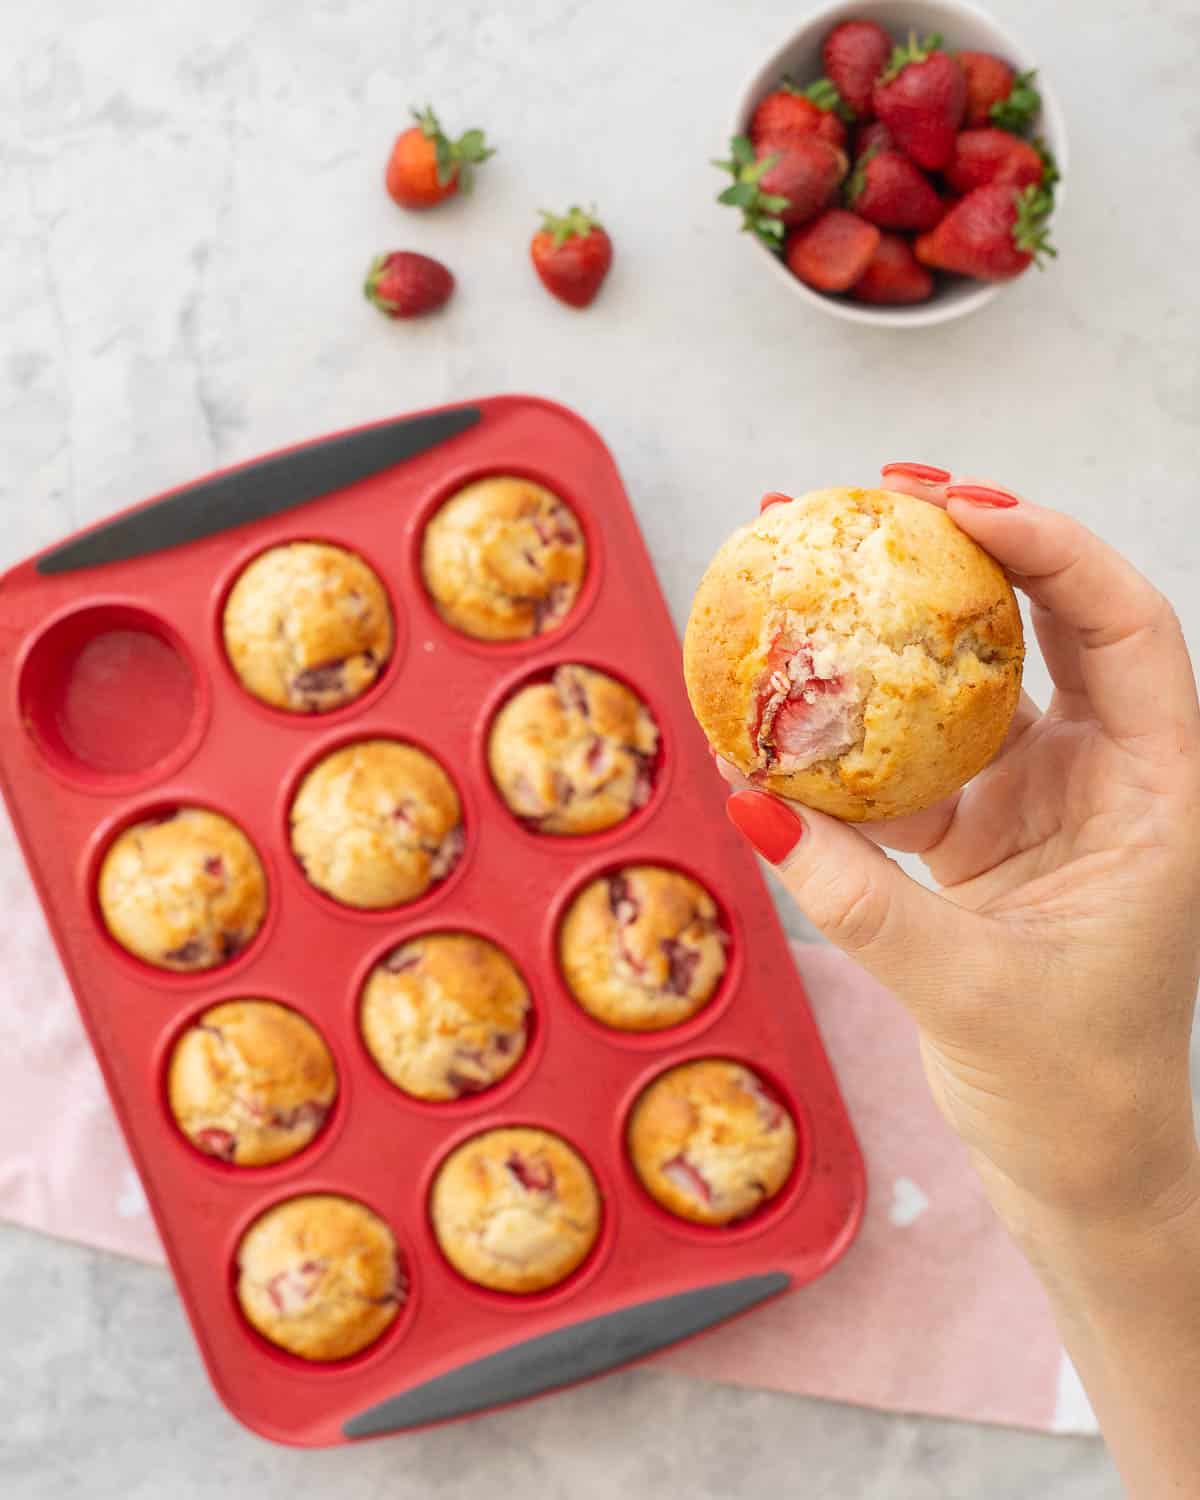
column 915, row 942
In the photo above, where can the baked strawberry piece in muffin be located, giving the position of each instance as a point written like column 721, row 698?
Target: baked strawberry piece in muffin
column 320, row 1276
column 185, row 891
column 710, row 1142
column 251, row 1082
column 445, row 1015
column 515, row 1210
column 376, row 824
column 574, row 755
column 307, row 627
column 504, row 559
column 642, row 948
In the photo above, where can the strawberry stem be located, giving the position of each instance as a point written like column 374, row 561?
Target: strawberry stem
column 912, row 52
column 824, row 94
column 574, row 223
column 454, row 158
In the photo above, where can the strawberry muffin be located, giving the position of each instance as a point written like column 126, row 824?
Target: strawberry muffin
column 855, row 651
column 251, row 1082
column 515, row 1210
column 376, row 824
column 445, row 1015
column 184, row 892
column 307, row 627
column 320, row 1276
column 503, row 559
column 710, row 1142
column 642, row 948
column 574, row 755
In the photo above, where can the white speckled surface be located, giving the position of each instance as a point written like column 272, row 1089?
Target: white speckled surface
column 190, row 195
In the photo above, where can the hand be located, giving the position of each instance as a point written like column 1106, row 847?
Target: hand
column 1053, row 979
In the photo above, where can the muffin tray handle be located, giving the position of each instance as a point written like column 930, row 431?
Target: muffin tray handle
column 255, row 490
column 567, row 1355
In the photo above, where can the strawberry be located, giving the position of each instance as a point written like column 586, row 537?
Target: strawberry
column 776, row 187
column 426, row 166
column 876, row 134
column 994, row 234
column 788, row 112
column 921, row 98
column 854, row 55
column 887, row 190
column 983, row 157
column 834, row 252
column 571, row 255
column 404, row 284
column 996, row 95
column 895, row 275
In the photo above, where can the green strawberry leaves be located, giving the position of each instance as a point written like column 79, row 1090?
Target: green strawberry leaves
column 574, row 223
column 912, row 52
column 760, row 210
column 1031, row 233
column 1018, row 112
column 454, row 158
column 824, row 94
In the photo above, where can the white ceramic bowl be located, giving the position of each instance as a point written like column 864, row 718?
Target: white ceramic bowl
column 965, row 29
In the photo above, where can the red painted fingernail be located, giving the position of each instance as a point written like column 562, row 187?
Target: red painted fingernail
column 924, row 472
column 772, row 828
column 774, row 498
column 982, row 494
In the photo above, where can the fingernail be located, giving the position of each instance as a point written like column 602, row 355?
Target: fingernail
column 924, row 472
column 774, row 498
column 982, row 494
column 773, row 829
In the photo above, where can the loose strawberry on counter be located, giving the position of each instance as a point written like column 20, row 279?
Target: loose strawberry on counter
column 994, row 234
column 854, row 55
column 781, row 186
column 403, row 284
column 895, row 277
column 426, row 167
column 996, row 94
column 986, row 157
column 833, row 252
column 922, row 97
column 788, row 112
column 571, row 254
column 889, row 191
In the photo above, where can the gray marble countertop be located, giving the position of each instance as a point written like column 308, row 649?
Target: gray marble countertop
column 190, row 196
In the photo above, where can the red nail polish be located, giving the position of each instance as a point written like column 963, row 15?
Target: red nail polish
column 982, row 494
column 773, row 829
column 926, row 473
column 774, row 498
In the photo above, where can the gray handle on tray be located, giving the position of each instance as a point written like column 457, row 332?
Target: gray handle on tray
column 255, row 490
column 566, row 1355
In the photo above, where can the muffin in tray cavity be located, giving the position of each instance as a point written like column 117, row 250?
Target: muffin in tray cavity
column 445, row 1015
column 307, row 627
column 320, row 1276
column 250, row 1082
column 855, row 651
column 711, row 1142
column 642, row 948
column 376, row 824
column 573, row 755
column 183, row 891
column 515, row 1210
column 503, row 559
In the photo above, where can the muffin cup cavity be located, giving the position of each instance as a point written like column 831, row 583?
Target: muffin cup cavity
column 111, row 697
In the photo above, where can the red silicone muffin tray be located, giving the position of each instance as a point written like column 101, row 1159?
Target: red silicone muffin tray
column 118, row 702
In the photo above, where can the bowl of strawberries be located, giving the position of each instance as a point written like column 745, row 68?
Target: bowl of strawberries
column 898, row 162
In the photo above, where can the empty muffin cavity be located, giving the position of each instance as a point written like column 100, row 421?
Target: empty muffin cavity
column 307, row 627
column 575, row 754
column 445, row 1016
column 643, row 948
column 377, row 824
column 503, row 559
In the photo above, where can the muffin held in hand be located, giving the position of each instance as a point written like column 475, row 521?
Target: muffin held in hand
column 445, row 1015
column 855, row 651
column 516, row 1210
column 503, row 560
column 308, row 627
column 251, row 1082
column 573, row 755
column 642, row 949
column 376, row 824
column 710, row 1142
column 183, row 892
column 320, row 1276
